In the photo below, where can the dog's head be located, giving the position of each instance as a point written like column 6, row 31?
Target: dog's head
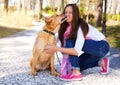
column 53, row 22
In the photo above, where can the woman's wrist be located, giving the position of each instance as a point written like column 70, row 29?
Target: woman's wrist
column 57, row 48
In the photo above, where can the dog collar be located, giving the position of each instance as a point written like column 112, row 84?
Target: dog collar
column 49, row 32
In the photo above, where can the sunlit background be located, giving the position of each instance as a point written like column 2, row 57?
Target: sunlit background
column 21, row 14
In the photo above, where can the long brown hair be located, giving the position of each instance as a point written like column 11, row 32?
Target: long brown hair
column 76, row 22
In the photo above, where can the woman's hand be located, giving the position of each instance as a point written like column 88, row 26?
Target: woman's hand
column 50, row 48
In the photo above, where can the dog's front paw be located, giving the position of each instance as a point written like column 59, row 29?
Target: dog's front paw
column 33, row 73
column 55, row 73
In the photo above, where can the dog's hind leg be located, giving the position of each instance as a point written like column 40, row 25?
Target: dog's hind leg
column 53, row 70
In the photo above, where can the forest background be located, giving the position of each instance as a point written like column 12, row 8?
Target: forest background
column 18, row 15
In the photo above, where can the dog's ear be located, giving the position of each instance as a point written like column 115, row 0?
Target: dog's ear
column 47, row 20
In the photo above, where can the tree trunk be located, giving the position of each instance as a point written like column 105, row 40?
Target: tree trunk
column 99, row 15
column 19, row 6
column 40, row 9
column 32, row 4
column 24, row 6
column 6, row 5
column 114, row 6
column 109, row 6
column 62, row 1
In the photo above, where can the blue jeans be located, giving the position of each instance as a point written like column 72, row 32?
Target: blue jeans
column 93, row 52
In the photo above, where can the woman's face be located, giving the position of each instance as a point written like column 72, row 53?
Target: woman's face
column 68, row 13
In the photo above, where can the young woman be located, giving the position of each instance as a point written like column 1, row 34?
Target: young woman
column 83, row 44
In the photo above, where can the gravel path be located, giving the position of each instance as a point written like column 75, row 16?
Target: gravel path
column 15, row 52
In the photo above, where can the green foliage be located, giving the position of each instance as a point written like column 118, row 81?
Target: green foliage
column 48, row 10
column 108, row 16
column 82, row 11
column 116, row 17
column 113, row 17
column 91, row 19
column 51, row 12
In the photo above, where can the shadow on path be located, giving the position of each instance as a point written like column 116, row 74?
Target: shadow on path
column 115, row 58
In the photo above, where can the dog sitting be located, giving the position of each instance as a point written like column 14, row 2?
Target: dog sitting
column 40, row 60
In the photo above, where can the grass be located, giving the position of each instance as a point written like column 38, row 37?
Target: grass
column 14, row 22
column 16, row 19
column 6, row 31
column 113, row 36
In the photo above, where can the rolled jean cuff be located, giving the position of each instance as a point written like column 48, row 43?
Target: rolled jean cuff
column 76, row 68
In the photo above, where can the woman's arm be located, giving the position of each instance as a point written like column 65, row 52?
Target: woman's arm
column 79, row 42
column 77, row 50
column 51, row 48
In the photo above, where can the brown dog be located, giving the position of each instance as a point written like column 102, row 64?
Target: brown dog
column 40, row 60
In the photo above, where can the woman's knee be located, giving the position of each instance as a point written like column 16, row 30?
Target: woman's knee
column 96, row 47
column 105, row 49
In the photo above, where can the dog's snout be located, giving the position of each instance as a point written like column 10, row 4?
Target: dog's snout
column 65, row 16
